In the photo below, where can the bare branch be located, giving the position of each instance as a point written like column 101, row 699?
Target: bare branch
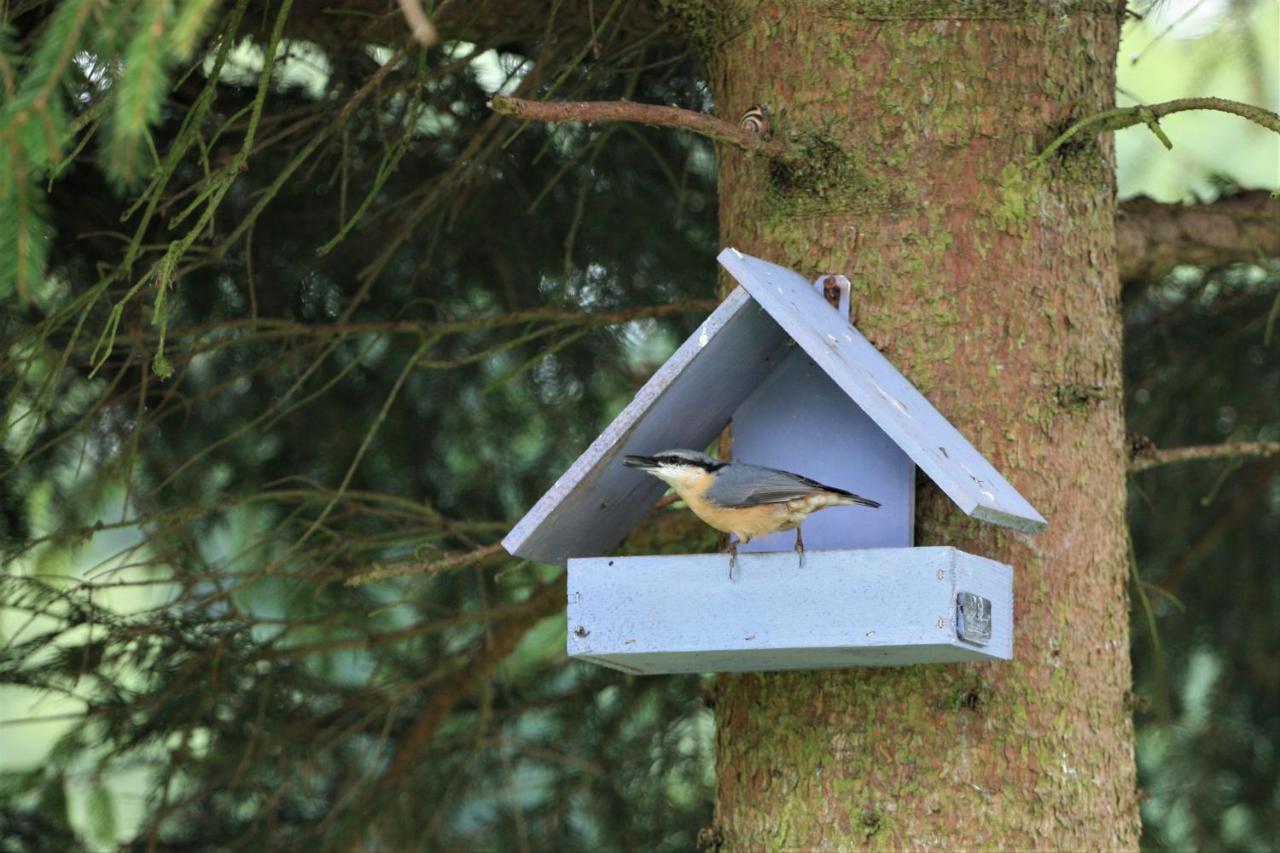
column 1151, row 458
column 457, row 561
column 666, row 501
column 505, row 636
column 653, row 115
column 1235, row 511
column 1152, row 237
column 372, row 639
column 1150, row 115
column 419, row 24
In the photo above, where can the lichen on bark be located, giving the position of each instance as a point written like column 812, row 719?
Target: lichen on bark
column 991, row 282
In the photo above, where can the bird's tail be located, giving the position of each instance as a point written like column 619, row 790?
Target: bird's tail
column 850, row 498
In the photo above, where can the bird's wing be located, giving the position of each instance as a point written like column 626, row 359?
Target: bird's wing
column 740, row 486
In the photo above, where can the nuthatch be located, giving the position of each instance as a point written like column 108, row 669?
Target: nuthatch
column 746, row 500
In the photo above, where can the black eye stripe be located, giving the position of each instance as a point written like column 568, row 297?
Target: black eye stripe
column 706, row 465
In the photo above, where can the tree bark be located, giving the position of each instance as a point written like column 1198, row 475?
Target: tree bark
column 992, row 283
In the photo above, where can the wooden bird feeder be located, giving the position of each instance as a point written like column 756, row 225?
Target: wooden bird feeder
column 805, row 392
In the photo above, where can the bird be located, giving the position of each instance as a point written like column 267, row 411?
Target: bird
column 748, row 501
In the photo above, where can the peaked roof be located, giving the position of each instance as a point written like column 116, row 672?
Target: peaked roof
column 686, row 403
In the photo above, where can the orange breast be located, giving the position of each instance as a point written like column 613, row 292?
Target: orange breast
column 749, row 523
column 753, row 522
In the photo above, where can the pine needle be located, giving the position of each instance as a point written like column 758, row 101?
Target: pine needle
column 139, row 93
column 188, row 26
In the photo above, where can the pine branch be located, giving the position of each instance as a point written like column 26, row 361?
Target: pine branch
column 1147, row 458
column 33, row 130
column 1150, row 115
column 188, row 25
column 1235, row 511
column 138, row 93
column 1152, row 238
column 499, row 643
column 594, row 112
column 8, row 64
column 24, row 234
column 37, row 114
column 457, row 561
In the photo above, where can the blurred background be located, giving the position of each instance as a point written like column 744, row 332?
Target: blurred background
column 250, row 592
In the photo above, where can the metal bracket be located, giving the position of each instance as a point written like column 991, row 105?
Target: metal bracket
column 973, row 618
column 841, row 283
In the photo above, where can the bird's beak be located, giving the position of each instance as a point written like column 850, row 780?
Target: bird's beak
column 642, row 462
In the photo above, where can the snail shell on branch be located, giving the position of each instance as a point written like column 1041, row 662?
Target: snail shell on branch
column 756, row 120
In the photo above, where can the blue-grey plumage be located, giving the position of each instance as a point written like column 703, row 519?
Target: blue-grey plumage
column 741, row 485
column 747, row 501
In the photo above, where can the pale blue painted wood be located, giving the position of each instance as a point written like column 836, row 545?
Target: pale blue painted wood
column 799, row 420
column 685, row 404
column 874, row 607
column 694, row 394
column 883, row 393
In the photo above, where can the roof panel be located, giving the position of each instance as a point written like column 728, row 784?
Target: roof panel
column 685, row 404
column 883, row 393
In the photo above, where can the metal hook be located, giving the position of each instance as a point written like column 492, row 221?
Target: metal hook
column 841, row 284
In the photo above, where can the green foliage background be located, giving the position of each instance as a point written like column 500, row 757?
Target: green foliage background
column 292, row 328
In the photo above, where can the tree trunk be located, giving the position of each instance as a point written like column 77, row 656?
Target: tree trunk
column 992, row 284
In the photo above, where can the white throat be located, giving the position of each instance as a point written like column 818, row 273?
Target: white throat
column 679, row 477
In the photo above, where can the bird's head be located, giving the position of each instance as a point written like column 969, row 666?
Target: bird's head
column 677, row 468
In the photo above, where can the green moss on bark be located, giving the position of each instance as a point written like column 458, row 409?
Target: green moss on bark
column 991, row 282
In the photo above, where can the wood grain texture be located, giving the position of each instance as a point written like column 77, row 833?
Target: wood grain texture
column 992, row 285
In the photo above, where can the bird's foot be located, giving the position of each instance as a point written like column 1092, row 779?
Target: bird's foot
column 800, row 547
column 733, row 557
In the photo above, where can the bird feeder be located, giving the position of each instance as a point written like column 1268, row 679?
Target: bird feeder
column 807, row 393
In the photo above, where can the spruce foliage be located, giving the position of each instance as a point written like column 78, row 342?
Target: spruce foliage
column 292, row 328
